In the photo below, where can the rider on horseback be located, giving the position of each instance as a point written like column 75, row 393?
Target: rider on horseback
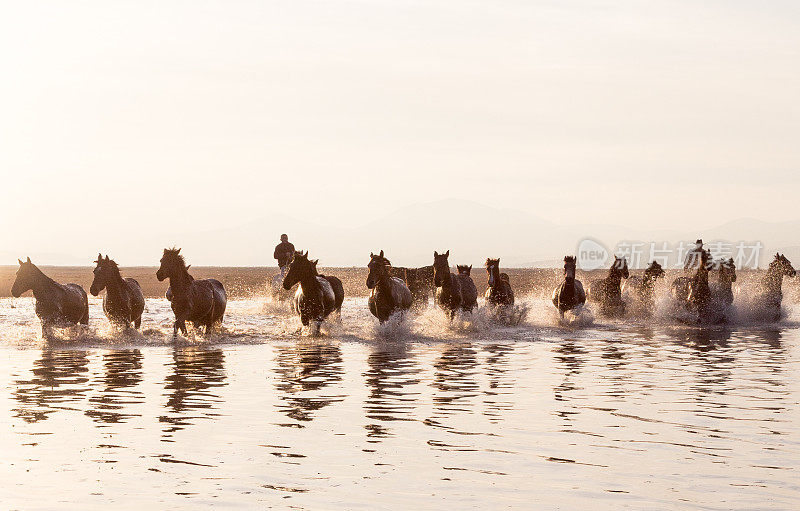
column 284, row 252
column 694, row 257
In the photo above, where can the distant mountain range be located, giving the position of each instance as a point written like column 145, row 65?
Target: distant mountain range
column 470, row 230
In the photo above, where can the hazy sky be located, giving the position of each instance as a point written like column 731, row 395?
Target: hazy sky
column 173, row 118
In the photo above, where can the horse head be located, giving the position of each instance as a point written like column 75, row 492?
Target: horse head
column 619, row 268
column 379, row 268
column 493, row 269
column 172, row 264
column 727, row 270
column 784, row 266
column 654, row 271
column 300, row 267
column 26, row 276
column 440, row 268
column 569, row 267
column 463, row 269
column 103, row 273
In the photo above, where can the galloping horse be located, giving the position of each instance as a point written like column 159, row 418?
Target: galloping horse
column 608, row 291
column 56, row 304
column 453, row 292
column 389, row 294
column 569, row 294
column 123, row 303
column 699, row 298
column 771, row 295
column 499, row 292
column 202, row 302
column 318, row 295
column 418, row 280
column 722, row 289
column 642, row 288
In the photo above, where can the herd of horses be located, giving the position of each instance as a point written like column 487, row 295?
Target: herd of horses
column 705, row 301
column 393, row 291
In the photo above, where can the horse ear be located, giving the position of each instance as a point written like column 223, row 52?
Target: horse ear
column 381, row 253
column 20, row 261
column 447, row 254
column 107, row 258
column 315, row 261
column 99, row 256
column 188, row 266
column 435, row 254
column 371, row 255
column 470, row 267
column 29, row 259
column 177, row 251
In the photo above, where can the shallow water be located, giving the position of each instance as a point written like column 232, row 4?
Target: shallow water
column 611, row 414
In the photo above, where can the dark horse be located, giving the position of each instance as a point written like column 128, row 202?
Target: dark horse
column 499, row 292
column 641, row 290
column 389, row 294
column 770, row 295
column 453, row 292
column 569, row 294
column 608, row 291
column 56, row 304
column 318, row 295
column 418, row 280
column 722, row 289
column 202, row 302
column 699, row 298
column 123, row 303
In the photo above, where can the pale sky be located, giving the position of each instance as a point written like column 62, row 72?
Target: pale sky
column 131, row 125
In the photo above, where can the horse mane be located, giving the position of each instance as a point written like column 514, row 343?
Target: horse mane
column 110, row 264
column 174, row 253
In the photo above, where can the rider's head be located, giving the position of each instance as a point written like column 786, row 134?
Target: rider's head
column 699, row 243
column 284, row 237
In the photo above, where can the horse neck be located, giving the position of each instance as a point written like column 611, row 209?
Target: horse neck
column 614, row 277
column 308, row 280
column 44, row 286
column 384, row 282
column 116, row 284
column 181, row 281
column 773, row 279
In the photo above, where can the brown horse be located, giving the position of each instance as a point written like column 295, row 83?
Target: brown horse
column 499, row 292
column 641, row 290
column 201, row 302
column 722, row 289
column 699, row 298
column 569, row 294
column 389, row 294
column 123, row 303
column 318, row 295
column 453, row 292
column 418, row 280
column 57, row 305
column 608, row 291
column 771, row 295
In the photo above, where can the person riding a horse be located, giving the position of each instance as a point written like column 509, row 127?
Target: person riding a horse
column 694, row 257
column 284, row 252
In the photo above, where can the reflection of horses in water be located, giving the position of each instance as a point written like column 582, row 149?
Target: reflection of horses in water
column 201, row 302
column 57, row 305
column 641, row 289
column 569, row 294
column 770, row 295
column 317, row 296
column 419, row 282
column 305, row 370
column 388, row 294
column 123, row 303
column 453, row 292
column 608, row 291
